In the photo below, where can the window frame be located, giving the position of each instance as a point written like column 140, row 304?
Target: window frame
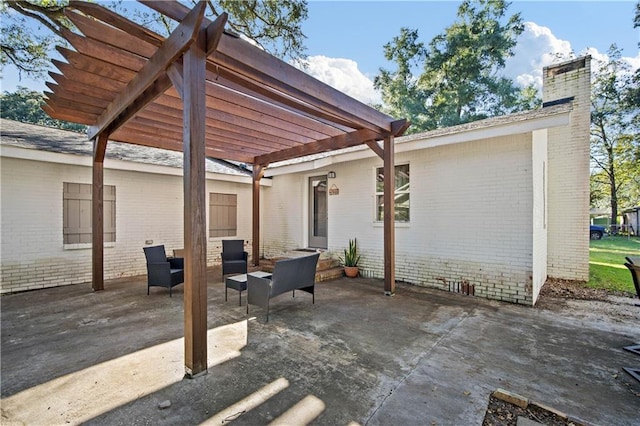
column 378, row 214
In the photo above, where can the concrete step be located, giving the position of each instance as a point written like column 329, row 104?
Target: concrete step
column 329, row 274
column 327, row 269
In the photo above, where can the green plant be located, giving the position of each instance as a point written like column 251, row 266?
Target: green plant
column 351, row 257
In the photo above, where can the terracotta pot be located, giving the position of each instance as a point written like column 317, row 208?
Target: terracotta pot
column 351, row 271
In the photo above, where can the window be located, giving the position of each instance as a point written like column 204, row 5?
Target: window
column 401, row 193
column 223, row 210
column 77, row 211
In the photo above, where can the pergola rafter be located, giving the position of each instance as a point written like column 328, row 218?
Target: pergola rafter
column 205, row 92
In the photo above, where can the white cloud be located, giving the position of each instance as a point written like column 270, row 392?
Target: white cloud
column 538, row 47
column 344, row 75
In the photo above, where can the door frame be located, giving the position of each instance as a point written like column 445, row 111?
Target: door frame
column 312, row 240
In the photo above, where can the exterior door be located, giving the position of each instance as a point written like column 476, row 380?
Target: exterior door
column 318, row 212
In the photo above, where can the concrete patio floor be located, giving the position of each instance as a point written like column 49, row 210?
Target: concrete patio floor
column 424, row 356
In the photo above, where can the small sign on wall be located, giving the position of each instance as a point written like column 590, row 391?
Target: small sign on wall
column 334, row 190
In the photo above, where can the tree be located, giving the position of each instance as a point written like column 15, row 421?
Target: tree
column 615, row 136
column 459, row 82
column 401, row 93
column 274, row 25
column 24, row 105
column 20, row 46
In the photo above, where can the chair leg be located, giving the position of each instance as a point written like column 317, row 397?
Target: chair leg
column 147, row 289
column 240, row 298
column 225, row 292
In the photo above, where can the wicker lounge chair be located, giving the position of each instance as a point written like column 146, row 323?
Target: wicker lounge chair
column 234, row 258
column 163, row 271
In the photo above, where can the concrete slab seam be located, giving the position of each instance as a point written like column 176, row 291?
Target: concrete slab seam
column 465, row 315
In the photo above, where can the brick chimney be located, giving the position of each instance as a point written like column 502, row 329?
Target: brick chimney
column 568, row 171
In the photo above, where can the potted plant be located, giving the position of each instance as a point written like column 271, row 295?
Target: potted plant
column 351, row 259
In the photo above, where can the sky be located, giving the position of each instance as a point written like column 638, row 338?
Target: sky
column 345, row 39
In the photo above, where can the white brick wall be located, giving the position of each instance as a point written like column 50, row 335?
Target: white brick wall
column 284, row 212
column 149, row 206
column 471, row 216
column 568, row 255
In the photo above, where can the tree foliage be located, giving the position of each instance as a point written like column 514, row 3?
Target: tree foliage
column 459, row 81
column 274, row 25
column 22, row 47
column 615, row 135
column 24, row 105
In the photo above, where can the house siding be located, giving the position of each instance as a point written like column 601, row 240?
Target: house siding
column 149, row 206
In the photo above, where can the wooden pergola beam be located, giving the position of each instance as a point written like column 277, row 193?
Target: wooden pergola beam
column 149, row 81
column 80, row 98
column 68, row 115
column 105, row 15
column 100, row 50
column 231, row 101
column 113, row 36
column 253, row 88
column 357, row 137
column 80, row 87
column 96, row 66
column 76, row 74
column 220, row 149
column 376, row 148
column 261, row 66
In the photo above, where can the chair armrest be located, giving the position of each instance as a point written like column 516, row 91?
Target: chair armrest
column 176, row 262
column 246, row 256
column 258, row 291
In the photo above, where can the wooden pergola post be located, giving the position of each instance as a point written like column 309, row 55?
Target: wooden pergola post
column 238, row 103
column 258, row 173
column 195, row 241
column 389, row 217
column 97, row 213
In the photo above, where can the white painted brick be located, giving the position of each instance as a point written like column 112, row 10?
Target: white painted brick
column 568, row 245
column 148, row 206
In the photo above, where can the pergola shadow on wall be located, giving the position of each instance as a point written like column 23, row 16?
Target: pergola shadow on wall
column 208, row 93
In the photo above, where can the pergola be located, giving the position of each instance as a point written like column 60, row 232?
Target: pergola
column 208, row 93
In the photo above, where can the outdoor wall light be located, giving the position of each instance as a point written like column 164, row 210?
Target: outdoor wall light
column 331, row 175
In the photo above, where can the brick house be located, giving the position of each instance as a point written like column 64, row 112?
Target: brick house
column 500, row 203
column 45, row 212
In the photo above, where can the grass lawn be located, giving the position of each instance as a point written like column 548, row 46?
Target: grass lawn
column 606, row 263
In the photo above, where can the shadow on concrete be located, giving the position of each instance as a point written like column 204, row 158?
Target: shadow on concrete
column 355, row 356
